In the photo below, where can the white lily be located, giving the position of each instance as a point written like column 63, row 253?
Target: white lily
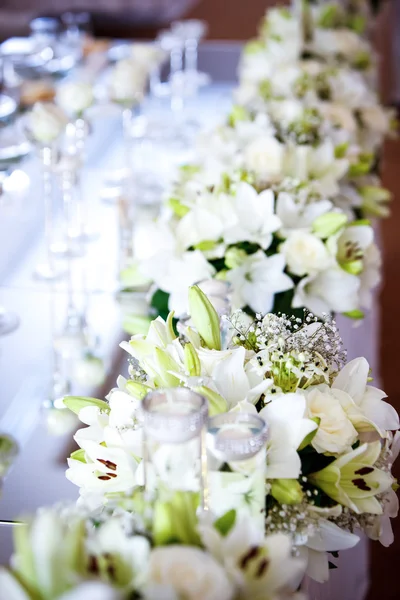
column 325, row 168
column 104, row 470
column 353, row 379
column 257, row 280
column 296, row 214
column 261, row 568
column 255, row 218
column 129, row 555
column 176, row 274
column 288, row 425
column 200, row 224
column 332, row 290
column 96, row 420
column 328, row 537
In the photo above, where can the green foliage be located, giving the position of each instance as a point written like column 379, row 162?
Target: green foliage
column 159, row 304
column 312, row 461
column 225, row 523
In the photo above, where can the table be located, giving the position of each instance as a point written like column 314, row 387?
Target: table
column 25, row 357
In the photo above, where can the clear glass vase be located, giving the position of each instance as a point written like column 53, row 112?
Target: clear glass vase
column 174, row 423
column 236, row 445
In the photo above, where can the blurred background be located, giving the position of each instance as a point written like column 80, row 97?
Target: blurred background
column 235, row 20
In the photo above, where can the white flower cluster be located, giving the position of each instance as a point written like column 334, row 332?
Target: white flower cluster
column 327, row 68
column 281, row 249
column 330, row 446
column 61, row 555
column 277, row 203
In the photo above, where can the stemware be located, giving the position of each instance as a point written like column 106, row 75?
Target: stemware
column 192, row 31
column 13, row 148
column 236, row 444
column 48, row 269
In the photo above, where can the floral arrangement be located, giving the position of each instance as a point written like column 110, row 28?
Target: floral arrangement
column 68, row 555
column 284, row 248
column 279, row 199
column 331, row 444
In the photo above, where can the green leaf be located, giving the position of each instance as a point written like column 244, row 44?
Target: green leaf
column 312, row 461
column 159, row 302
column 205, row 246
column 225, row 523
column 309, row 438
column 76, row 403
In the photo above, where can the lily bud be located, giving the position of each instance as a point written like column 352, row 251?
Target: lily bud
column 136, row 389
column 192, row 362
column 205, row 318
column 76, row 403
column 375, row 199
column 235, row 257
column 216, row 403
column 286, row 491
column 164, row 365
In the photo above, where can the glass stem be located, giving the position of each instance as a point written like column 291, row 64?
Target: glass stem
column 47, row 164
column 176, row 67
column 127, row 117
column 191, row 55
column 80, row 144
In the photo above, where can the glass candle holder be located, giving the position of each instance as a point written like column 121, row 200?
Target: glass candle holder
column 236, row 446
column 48, row 269
column 173, row 437
column 79, row 131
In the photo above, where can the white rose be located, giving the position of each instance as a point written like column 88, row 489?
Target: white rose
column 128, row 81
column 335, row 433
column 46, row 122
column 265, row 157
column 305, row 253
column 339, row 115
column 376, row 118
column 286, row 112
column 328, row 42
column 75, row 97
column 192, row 573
